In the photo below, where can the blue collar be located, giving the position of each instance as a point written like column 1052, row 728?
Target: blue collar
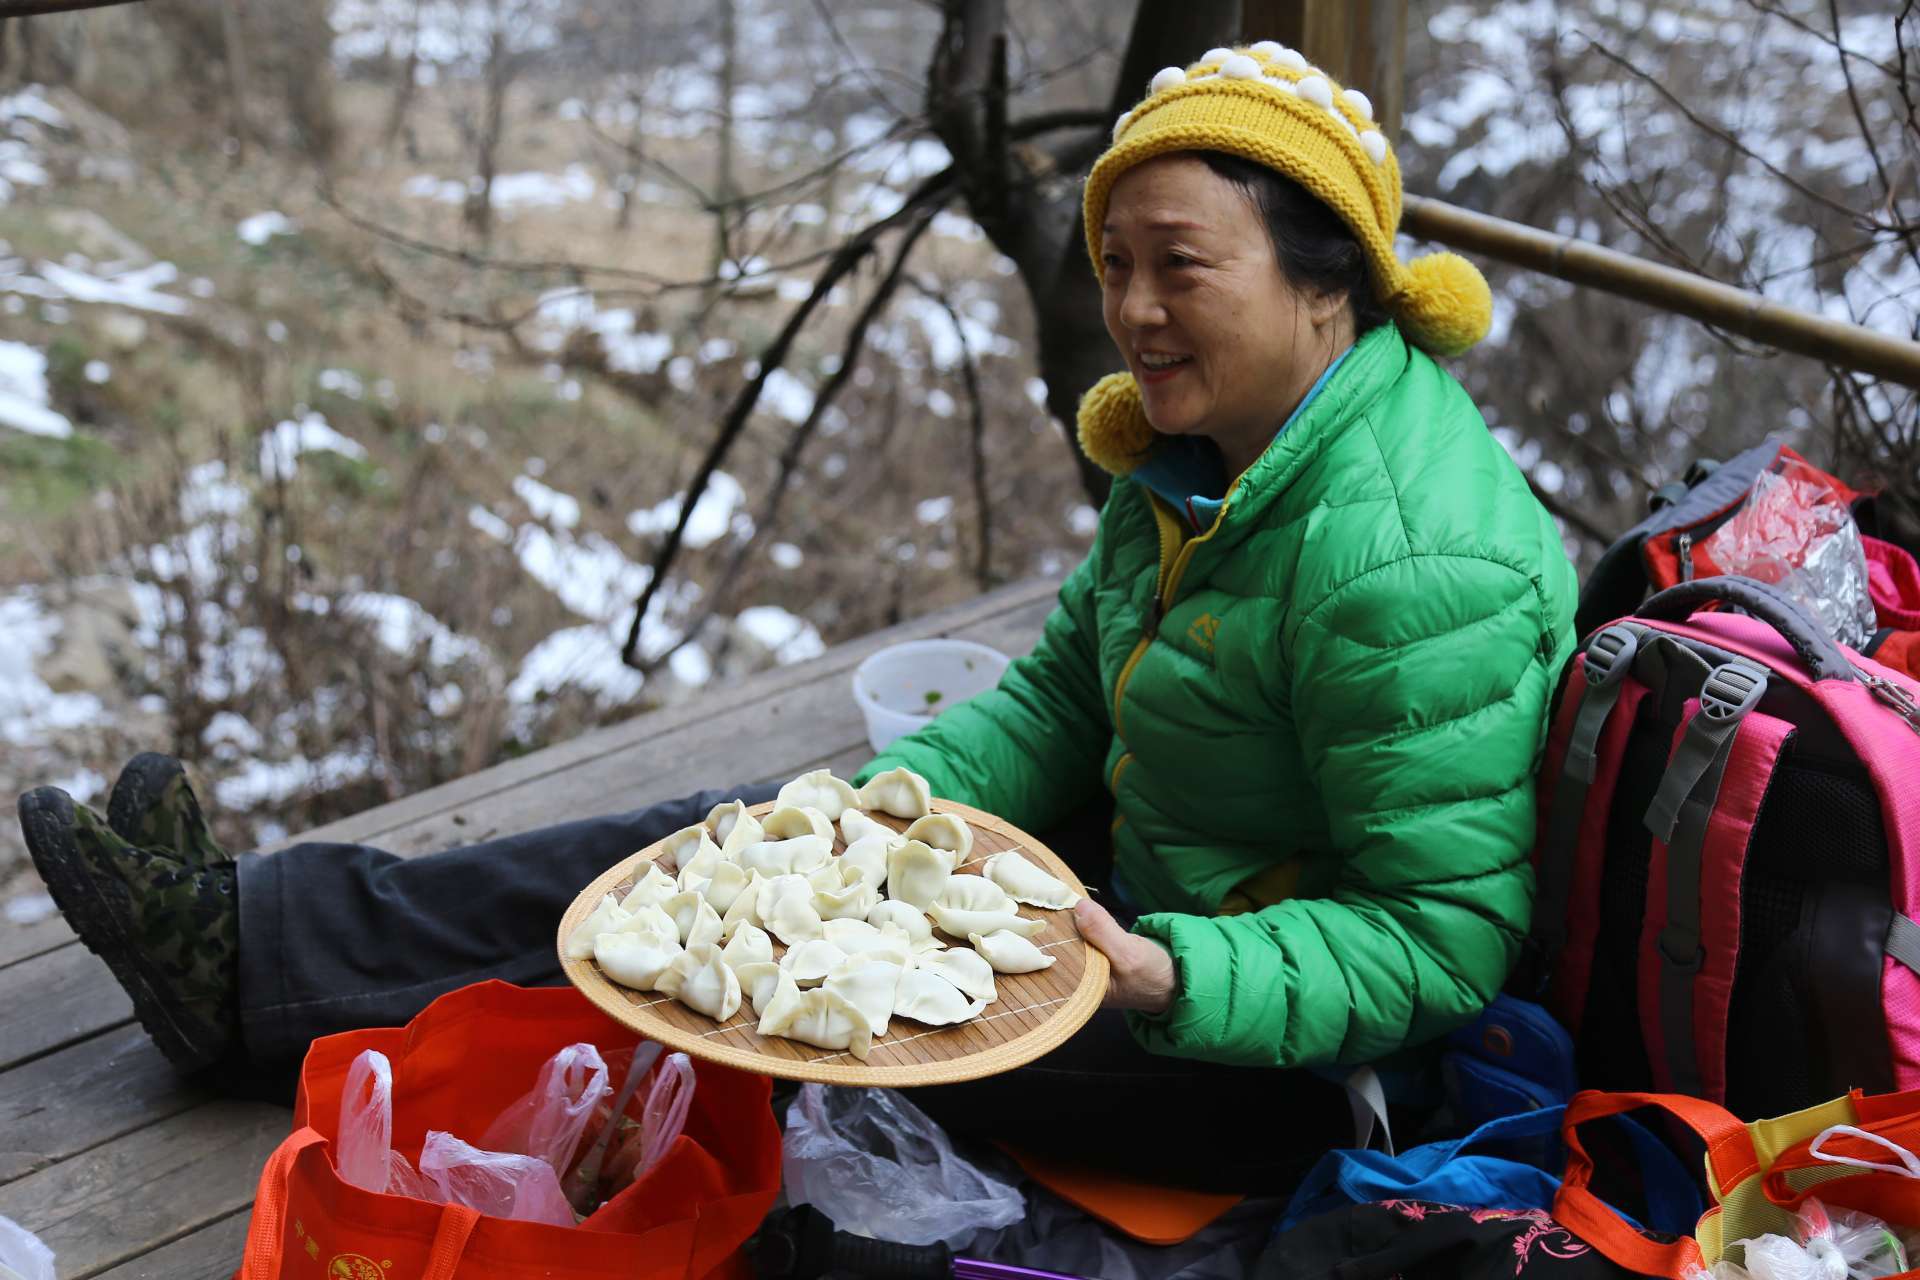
column 1189, row 474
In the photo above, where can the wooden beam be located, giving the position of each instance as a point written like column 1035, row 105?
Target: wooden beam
column 1360, row 43
column 1747, row 315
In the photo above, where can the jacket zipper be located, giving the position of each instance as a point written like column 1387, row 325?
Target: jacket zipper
column 1174, row 558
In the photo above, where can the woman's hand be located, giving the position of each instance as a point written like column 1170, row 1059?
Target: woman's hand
column 1143, row 972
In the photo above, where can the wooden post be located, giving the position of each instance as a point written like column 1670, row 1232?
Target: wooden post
column 1360, row 43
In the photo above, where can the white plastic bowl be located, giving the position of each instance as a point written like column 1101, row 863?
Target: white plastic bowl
column 903, row 686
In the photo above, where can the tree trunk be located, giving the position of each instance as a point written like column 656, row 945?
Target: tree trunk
column 234, row 31
column 723, row 186
column 499, row 78
column 403, row 91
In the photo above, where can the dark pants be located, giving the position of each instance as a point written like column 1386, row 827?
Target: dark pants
column 335, row 937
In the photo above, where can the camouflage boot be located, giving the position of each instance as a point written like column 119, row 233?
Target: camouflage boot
column 153, row 806
column 168, row 930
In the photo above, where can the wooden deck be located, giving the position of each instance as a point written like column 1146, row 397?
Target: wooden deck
column 125, row 1171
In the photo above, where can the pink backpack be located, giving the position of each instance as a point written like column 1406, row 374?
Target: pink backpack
column 1729, row 858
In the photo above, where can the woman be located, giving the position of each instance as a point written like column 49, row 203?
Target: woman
column 1306, row 667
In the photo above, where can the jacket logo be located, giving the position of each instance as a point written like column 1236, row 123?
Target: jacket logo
column 1203, row 630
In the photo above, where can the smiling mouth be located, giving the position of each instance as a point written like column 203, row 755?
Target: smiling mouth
column 1160, row 368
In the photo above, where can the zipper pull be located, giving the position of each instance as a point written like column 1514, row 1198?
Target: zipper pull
column 1684, row 546
column 1899, row 700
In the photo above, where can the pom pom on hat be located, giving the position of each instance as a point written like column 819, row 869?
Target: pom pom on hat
column 1114, row 432
column 1443, row 304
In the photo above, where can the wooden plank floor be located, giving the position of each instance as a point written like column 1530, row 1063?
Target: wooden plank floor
column 126, row 1171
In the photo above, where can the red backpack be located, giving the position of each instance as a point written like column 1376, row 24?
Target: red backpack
column 1729, row 857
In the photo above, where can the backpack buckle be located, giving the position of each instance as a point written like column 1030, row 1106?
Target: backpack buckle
column 1610, row 656
column 1730, row 691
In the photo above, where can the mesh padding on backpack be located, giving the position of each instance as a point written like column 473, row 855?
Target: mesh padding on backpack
column 1820, row 825
column 1612, row 1053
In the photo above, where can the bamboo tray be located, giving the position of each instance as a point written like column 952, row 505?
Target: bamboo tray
column 1034, row 1012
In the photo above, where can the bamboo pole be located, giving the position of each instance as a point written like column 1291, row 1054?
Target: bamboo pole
column 31, row 8
column 1737, row 311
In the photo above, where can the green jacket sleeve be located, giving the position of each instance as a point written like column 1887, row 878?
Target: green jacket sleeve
column 1420, row 693
column 1030, row 750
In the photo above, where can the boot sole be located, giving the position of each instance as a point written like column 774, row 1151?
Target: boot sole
column 46, row 819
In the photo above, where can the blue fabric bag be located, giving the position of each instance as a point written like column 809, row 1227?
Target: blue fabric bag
column 1513, row 1162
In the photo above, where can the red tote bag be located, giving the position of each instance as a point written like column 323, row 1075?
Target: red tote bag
column 468, row 1056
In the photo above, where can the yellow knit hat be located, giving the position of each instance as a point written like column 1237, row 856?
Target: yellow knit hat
column 1266, row 103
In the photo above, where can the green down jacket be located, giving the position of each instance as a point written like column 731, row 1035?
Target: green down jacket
column 1318, row 722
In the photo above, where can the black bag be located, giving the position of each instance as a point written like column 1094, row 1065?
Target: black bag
column 1417, row 1240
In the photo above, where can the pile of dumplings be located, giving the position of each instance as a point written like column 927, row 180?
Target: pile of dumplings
column 859, row 949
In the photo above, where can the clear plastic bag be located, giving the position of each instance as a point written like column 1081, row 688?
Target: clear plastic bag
column 1825, row 1245
column 1796, row 532
column 364, row 1153
column 549, row 1119
column 875, row 1164
column 22, row 1256
column 499, row 1183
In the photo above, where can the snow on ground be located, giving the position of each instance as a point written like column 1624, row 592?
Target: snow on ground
column 559, row 509
column 403, row 626
column 262, row 227
column 785, row 555
column 712, row 516
column 307, row 432
column 788, row 636
column 22, row 116
column 23, row 393
column 271, row 782
column 29, row 709
column 530, row 190
column 933, row 510
column 137, row 288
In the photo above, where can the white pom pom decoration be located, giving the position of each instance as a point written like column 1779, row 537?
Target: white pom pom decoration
column 1281, row 83
column 1268, row 49
column 1165, row 78
column 1216, row 55
column 1357, row 103
column 1316, row 90
column 1375, row 145
column 1345, row 123
column 1292, row 59
column 1120, row 124
column 1240, row 67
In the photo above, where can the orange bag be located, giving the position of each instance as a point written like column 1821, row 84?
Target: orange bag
column 468, row 1056
column 1758, row 1174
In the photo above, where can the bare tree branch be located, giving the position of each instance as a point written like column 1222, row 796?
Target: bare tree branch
column 930, row 194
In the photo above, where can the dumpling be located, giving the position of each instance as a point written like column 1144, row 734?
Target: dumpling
column 744, row 907
column 636, row 959
column 651, row 889
column 790, row 915
column 785, row 824
column 927, row 997
column 909, row 918
column 869, row 984
column 944, row 831
column 818, row 1017
column 748, row 945
column 809, row 962
column 818, row 790
column 706, row 926
column 785, row 857
column 729, row 878
column 967, row 970
column 758, row 981
column 679, row 847
column 604, row 918
column 857, row 937
column 1027, row 883
column 974, row 904
column 733, row 826
column 917, row 873
column 698, row 864
column 701, row 980
column 867, row 858
column 1008, row 952
column 962, row 921
column 829, row 876
column 855, row 826
column 900, row 792
column 690, row 911
column 649, row 917
column 849, row 903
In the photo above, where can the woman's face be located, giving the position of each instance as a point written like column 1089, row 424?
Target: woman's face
column 1220, row 342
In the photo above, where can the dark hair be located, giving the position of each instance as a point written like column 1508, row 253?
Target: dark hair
column 1315, row 250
